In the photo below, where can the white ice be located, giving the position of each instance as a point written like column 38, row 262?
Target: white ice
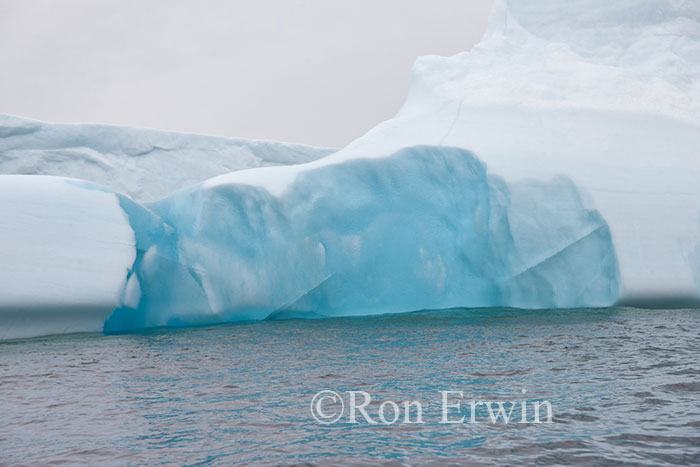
column 65, row 252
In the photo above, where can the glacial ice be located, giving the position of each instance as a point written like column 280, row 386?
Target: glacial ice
column 426, row 227
column 423, row 228
column 144, row 164
column 555, row 165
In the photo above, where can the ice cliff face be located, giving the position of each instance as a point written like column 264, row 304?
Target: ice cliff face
column 141, row 163
column 422, row 228
column 555, row 165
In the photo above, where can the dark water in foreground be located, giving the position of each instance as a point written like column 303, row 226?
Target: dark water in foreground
column 624, row 385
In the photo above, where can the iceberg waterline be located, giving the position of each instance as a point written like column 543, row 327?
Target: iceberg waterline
column 587, row 123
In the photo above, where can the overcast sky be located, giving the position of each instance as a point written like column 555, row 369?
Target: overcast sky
column 319, row 72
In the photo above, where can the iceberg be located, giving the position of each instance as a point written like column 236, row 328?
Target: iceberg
column 144, row 164
column 426, row 227
column 554, row 165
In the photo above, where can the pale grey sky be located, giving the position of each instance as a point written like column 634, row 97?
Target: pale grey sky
column 319, row 72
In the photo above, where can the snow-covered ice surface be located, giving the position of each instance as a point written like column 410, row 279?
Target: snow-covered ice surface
column 555, row 165
column 141, row 163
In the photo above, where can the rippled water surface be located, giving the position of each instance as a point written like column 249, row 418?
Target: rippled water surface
column 624, row 385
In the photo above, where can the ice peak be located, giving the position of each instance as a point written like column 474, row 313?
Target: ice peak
column 635, row 55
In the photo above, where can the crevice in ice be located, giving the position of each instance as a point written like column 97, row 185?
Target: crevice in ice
column 452, row 125
column 152, row 149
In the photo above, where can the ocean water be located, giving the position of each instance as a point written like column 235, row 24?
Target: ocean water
column 623, row 384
